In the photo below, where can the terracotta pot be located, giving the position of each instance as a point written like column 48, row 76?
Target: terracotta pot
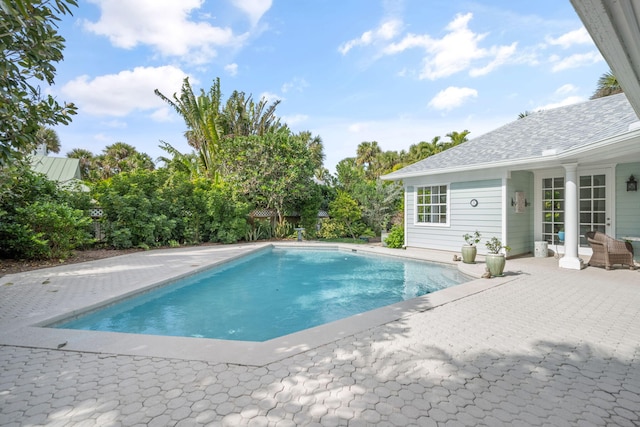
column 469, row 254
column 495, row 263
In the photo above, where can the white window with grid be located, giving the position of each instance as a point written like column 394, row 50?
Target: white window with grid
column 432, row 204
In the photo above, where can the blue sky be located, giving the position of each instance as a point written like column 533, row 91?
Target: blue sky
column 393, row 71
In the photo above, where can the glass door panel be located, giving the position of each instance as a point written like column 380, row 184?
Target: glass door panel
column 552, row 209
column 593, row 205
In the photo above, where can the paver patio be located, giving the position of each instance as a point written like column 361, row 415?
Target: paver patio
column 546, row 346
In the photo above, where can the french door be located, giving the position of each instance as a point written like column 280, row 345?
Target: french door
column 593, row 212
column 595, row 191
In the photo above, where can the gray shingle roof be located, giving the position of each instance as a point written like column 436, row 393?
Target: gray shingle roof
column 562, row 129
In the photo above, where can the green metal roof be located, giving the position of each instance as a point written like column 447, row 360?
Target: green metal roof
column 62, row 170
column 57, row 169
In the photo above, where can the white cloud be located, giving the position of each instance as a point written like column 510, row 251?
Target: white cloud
column 455, row 52
column 102, row 138
column 164, row 114
column 253, row 8
column 579, row 36
column 271, row 97
column 567, row 101
column 115, row 124
column 501, row 55
column 386, row 31
column 296, row 84
column 231, row 69
column 565, row 89
column 452, row 97
column 294, row 120
column 164, row 25
column 358, row 127
column 120, row 94
column 575, row 61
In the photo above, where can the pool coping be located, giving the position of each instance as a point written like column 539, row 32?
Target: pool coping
column 34, row 334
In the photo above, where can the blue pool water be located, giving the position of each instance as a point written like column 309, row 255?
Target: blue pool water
column 270, row 294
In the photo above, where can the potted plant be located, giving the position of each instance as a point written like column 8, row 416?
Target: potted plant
column 494, row 259
column 469, row 250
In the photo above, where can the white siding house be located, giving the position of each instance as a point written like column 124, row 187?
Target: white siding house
column 560, row 169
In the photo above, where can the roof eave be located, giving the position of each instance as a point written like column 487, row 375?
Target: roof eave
column 614, row 26
column 519, row 164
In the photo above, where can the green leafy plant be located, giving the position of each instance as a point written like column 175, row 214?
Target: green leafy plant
column 259, row 229
column 472, row 239
column 332, row 229
column 37, row 219
column 396, row 237
column 283, row 230
column 31, row 46
column 494, row 245
column 345, row 209
column 60, row 226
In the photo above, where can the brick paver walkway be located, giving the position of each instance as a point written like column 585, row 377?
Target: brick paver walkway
column 550, row 347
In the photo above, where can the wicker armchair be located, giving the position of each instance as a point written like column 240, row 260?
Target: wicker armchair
column 608, row 251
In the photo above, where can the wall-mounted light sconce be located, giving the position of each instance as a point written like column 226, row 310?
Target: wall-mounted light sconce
column 520, row 202
column 632, row 184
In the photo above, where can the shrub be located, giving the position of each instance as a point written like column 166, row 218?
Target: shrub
column 346, row 210
column 396, row 237
column 227, row 215
column 37, row 219
column 332, row 229
column 61, row 227
column 283, row 230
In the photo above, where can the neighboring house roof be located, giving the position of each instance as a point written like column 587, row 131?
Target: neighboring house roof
column 62, row 170
column 532, row 138
column 615, row 28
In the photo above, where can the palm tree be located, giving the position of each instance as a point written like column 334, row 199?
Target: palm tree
column 242, row 116
column 120, row 157
column 86, row 160
column 607, row 85
column 48, row 138
column 388, row 161
column 424, row 149
column 179, row 162
column 367, row 156
column 201, row 115
column 456, row 138
column 315, row 147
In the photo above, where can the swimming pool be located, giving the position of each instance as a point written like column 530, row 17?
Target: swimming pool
column 272, row 293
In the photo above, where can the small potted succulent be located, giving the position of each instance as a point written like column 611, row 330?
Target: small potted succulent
column 495, row 259
column 469, row 250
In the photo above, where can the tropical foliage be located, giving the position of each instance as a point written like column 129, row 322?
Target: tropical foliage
column 273, row 171
column 395, row 239
column 114, row 159
column 31, row 46
column 607, row 85
column 201, row 114
column 37, row 219
column 155, row 208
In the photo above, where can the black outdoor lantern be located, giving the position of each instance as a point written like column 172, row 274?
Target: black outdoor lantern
column 632, row 184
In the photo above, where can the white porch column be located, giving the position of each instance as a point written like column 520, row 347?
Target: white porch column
column 571, row 224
